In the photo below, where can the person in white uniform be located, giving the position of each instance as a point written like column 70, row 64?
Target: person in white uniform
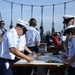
column 8, row 48
column 22, row 41
column 32, row 41
column 2, row 29
column 22, row 46
column 68, row 20
column 70, row 34
column 33, row 36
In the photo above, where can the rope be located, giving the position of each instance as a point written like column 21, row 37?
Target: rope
column 21, row 11
column 31, row 11
column 39, row 5
column 11, row 9
column 53, row 30
column 64, row 14
column 64, row 8
column 41, row 27
column 11, row 24
column 42, row 15
column 0, row 16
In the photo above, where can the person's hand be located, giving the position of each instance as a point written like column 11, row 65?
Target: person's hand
column 30, row 59
column 33, row 53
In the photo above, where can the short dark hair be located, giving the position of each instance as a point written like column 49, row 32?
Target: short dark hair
column 24, row 28
column 30, row 21
column 0, row 22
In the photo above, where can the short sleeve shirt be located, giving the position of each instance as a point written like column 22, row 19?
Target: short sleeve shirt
column 21, row 43
column 10, row 39
column 72, row 50
column 32, row 37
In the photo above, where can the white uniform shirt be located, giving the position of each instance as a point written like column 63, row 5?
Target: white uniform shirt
column 72, row 50
column 32, row 36
column 1, row 31
column 22, row 43
column 10, row 39
column 63, row 38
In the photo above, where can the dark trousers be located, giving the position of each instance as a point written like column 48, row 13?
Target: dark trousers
column 17, row 70
column 71, row 71
column 33, row 48
column 28, row 70
column 5, row 67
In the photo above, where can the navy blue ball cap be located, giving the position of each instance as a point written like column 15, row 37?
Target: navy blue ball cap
column 67, row 31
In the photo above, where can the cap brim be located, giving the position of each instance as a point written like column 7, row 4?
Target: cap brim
column 67, row 31
column 67, row 20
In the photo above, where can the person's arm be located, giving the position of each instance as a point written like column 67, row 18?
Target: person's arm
column 66, row 46
column 72, row 59
column 38, row 43
column 17, row 52
column 38, row 39
column 27, row 49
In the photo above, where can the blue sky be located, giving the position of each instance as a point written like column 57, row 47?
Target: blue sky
column 5, row 9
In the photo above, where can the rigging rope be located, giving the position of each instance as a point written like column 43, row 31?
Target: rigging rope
column 31, row 11
column 41, row 27
column 64, row 14
column 0, row 16
column 11, row 24
column 42, row 15
column 53, row 30
column 64, row 8
column 21, row 11
column 39, row 5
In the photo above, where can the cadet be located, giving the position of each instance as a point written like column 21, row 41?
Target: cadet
column 69, row 23
column 32, row 41
column 8, row 48
column 33, row 36
column 2, row 29
column 70, row 34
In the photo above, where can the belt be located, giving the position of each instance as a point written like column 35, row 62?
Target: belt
column 5, row 59
column 32, row 46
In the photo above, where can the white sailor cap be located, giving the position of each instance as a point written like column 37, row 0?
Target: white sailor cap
column 23, row 23
column 67, row 18
column 71, row 26
column 68, row 29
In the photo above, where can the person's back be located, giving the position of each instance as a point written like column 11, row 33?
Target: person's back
column 33, row 36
